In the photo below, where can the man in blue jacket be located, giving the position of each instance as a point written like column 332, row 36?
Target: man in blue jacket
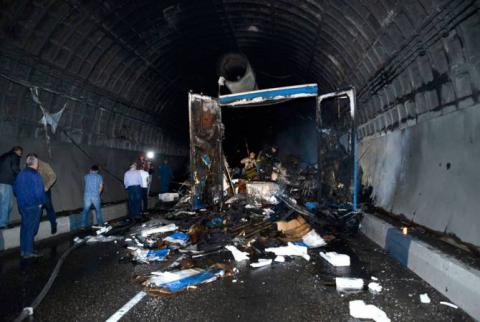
column 30, row 193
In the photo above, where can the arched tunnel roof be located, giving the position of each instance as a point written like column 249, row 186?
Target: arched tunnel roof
column 143, row 56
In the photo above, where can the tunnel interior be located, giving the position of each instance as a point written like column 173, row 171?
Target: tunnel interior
column 122, row 71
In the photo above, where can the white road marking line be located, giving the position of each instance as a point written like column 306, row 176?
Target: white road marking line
column 127, row 307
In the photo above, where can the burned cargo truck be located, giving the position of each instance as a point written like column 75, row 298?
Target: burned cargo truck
column 286, row 141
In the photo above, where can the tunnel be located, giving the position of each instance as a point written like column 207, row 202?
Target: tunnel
column 86, row 82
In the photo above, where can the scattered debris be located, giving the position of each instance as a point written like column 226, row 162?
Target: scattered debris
column 157, row 230
column 101, row 239
column 149, row 255
column 280, row 259
column 164, row 283
column 424, row 298
column 336, row 259
column 237, row 254
column 290, row 250
column 168, row 197
column 374, row 287
column 348, row 283
column 360, row 310
column 262, row 262
column 177, row 238
column 449, row 304
column 104, row 230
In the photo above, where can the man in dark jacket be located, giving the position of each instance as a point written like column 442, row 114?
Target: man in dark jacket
column 9, row 168
column 30, row 193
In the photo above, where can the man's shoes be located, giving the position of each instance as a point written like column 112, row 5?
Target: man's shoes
column 54, row 229
column 31, row 255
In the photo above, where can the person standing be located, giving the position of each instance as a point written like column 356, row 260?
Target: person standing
column 145, row 184
column 49, row 177
column 9, row 169
column 91, row 196
column 133, row 184
column 165, row 173
column 30, row 193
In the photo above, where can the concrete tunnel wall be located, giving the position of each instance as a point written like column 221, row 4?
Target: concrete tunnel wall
column 126, row 67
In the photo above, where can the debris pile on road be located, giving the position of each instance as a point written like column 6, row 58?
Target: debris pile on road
column 262, row 225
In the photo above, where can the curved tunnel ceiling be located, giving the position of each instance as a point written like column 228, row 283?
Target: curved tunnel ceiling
column 146, row 55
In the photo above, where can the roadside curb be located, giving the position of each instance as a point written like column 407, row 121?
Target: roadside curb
column 454, row 279
column 10, row 238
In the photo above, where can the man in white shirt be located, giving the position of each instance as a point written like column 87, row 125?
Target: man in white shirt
column 133, row 184
column 145, row 184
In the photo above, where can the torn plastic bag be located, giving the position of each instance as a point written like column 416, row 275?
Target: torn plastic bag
column 172, row 282
column 150, row 255
column 290, row 250
column 177, row 238
column 157, row 230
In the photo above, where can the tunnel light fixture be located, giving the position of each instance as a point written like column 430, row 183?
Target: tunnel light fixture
column 150, row 155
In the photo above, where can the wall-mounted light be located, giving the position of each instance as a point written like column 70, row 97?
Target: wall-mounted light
column 405, row 230
column 150, row 155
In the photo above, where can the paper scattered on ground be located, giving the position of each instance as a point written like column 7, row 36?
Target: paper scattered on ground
column 262, row 262
column 157, row 230
column 360, row 310
column 348, row 283
column 290, row 250
column 172, row 282
column 374, row 287
column 280, row 259
column 424, row 298
column 336, row 259
column 449, row 304
column 237, row 254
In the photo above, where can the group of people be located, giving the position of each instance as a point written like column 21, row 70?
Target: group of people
column 137, row 182
column 32, row 189
column 32, row 185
